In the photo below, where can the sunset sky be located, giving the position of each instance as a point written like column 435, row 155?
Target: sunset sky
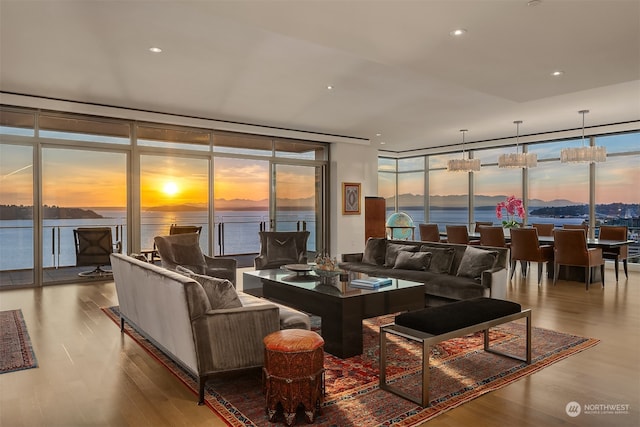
column 82, row 178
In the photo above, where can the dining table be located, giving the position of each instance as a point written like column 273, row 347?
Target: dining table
column 568, row 272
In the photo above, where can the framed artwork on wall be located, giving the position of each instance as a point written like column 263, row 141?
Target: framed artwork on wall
column 350, row 198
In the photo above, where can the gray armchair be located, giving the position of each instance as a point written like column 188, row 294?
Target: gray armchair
column 184, row 250
column 278, row 248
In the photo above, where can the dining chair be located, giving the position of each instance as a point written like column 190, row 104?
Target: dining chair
column 480, row 224
column 429, row 232
column 621, row 253
column 525, row 248
column 458, row 234
column 492, row 236
column 570, row 249
column 584, row 227
column 544, row 229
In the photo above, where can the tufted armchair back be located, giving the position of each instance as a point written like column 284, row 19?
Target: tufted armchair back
column 278, row 248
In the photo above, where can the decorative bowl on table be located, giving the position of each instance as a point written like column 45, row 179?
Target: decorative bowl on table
column 327, row 269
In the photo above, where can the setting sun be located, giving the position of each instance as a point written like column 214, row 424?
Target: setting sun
column 170, row 188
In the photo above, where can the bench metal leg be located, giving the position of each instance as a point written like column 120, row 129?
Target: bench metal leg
column 428, row 340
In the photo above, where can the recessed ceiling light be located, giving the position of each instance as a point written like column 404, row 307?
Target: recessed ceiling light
column 329, row 87
column 155, row 49
column 557, row 73
column 534, row 2
column 378, row 134
column 382, row 143
column 458, row 32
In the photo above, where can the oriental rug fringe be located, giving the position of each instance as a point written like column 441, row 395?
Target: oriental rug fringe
column 16, row 351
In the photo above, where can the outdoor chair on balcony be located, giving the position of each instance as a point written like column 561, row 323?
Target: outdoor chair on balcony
column 94, row 245
column 184, row 250
column 278, row 248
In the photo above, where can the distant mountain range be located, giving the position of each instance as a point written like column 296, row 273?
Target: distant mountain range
column 461, row 201
column 239, row 205
column 49, row 212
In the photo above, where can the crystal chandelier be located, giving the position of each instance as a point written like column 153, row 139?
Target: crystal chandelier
column 463, row 165
column 586, row 153
column 518, row 160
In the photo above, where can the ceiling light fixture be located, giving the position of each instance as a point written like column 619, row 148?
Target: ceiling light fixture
column 518, row 160
column 458, row 32
column 155, row 49
column 463, row 165
column 557, row 73
column 586, row 153
column 329, row 87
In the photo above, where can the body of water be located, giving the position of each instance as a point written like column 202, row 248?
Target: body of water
column 239, row 232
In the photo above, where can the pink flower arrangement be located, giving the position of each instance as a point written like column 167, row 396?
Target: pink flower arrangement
column 514, row 208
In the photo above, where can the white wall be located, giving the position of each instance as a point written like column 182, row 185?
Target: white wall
column 350, row 163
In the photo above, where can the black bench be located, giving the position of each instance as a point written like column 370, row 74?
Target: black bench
column 436, row 324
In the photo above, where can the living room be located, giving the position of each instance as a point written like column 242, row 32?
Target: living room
column 90, row 374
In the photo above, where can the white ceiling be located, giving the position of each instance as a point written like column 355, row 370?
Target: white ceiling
column 393, row 64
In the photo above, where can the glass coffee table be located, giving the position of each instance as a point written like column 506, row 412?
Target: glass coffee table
column 340, row 306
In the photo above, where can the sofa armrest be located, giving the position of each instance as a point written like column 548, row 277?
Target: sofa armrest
column 495, row 282
column 221, row 267
column 352, row 257
column 232, row 338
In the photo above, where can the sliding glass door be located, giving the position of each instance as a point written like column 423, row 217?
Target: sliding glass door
column 80, row 188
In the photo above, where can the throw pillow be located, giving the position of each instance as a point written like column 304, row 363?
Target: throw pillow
column 413, row 260
column 220, row 292
column 374, row 251
column 475, row 261
column 441, row 259
column 393, row 249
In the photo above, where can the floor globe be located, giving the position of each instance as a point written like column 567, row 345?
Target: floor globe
column 401, row 226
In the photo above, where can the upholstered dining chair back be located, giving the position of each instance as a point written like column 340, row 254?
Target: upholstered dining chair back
column 570, row 249
column 278, row 248
column 544, row 229
column 458, row 234
column 492, row 236
column 584, row 227
column 621, row 253
column 525, row 247
column 480, row 224
column 429, row 232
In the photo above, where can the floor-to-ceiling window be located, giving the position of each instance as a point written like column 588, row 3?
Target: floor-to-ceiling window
column 139, row 178
column 555, row 192
column 411, row 172
column 448, row 192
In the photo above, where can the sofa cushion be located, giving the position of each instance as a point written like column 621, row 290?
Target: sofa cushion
column 374, row 251
column 475, row 261
column 393, row 249
column 220, row 292
column 441, row 259
column 413, row 260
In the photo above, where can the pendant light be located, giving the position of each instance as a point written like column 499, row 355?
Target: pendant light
column 463, row 165
column 518, row 160
column 586, row 153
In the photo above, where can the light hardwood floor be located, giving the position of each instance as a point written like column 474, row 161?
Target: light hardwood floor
column 91, row 375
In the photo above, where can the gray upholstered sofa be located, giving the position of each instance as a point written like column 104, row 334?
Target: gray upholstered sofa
column 448, row 271
column 200, row 322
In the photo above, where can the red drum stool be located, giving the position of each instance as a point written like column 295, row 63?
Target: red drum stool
column 293, row 373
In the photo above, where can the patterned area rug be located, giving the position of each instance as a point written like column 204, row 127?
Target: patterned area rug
column 16, row 352
column 460, row 371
